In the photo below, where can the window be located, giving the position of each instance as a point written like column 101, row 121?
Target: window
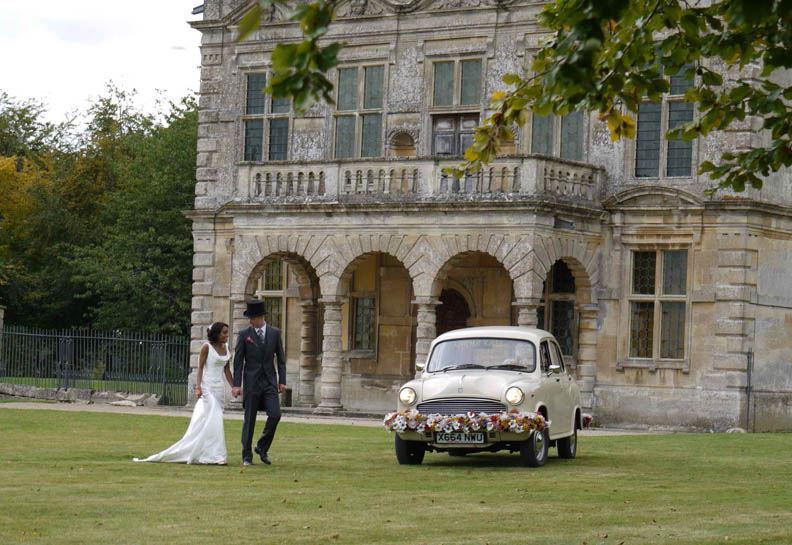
column 456, row 86
column 272, row 290
column 658, row 304
column 556, row 312
column 560, row 136
column 364, row 323
column 453, row 134
column 359, row 112
column 266, row 122
column 653, row 159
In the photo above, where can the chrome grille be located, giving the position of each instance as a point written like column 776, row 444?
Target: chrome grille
column 461, row 405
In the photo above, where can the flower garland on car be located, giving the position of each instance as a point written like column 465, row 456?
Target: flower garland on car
column 513, row 421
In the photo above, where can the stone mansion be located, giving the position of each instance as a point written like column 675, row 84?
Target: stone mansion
column 673, row 309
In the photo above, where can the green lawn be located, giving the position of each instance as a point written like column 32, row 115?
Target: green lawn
column 68, row 478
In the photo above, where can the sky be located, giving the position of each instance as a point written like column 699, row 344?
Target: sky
column 64, row 52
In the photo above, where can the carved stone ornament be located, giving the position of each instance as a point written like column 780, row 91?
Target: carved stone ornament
column 358, row 8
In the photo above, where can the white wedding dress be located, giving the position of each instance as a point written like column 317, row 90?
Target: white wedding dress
column 204, row 440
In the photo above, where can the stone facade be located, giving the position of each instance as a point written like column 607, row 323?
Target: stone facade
column 379, row 253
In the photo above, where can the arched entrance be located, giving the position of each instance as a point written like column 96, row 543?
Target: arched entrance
column 453, row 312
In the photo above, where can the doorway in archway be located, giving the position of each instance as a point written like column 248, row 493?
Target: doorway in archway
column 453, row 311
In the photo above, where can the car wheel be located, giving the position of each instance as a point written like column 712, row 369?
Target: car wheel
column 567, row 447
column 533, row 452
column 409, row 452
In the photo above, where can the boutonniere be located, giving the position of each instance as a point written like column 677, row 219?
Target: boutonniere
column 248, row 339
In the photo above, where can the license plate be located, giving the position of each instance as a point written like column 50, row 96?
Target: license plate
column 460, row 437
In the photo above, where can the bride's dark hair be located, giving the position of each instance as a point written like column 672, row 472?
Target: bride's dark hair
column 213, row 333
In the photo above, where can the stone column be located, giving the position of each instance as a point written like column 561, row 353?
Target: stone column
column 587, row 354
column 526, row 311
column 426, row 329
column 331, row 357
column 305, row 393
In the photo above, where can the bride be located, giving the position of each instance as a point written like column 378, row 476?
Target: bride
column 204, row 440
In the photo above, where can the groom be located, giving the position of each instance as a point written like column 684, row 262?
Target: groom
column 256, row 380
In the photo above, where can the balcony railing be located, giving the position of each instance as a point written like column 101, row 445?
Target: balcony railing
column 417, row 179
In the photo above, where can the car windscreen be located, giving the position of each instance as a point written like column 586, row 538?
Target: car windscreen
column 518, row 355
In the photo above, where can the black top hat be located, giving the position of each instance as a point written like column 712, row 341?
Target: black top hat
column 255, row 308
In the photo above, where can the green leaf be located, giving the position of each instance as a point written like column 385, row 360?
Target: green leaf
column 250, row 22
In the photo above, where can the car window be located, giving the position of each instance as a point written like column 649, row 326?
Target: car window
column 544, row 356
column 555, row 353
column 482, row 352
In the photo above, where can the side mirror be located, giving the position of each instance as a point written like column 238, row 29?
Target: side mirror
column 419, row 367
column 555, row 368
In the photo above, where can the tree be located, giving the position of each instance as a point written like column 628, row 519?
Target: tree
column 608, row 56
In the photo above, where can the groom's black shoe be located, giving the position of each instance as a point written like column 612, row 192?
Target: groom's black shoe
column 263, row 455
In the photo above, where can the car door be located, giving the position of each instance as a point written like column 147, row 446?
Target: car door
column 565, row 398
column 552, row 391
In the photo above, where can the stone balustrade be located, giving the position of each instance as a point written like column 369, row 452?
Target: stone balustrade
column 418, row 179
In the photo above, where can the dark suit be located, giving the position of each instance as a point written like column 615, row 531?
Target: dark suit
column 254, row 372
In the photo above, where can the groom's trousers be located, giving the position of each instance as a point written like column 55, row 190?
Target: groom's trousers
column 269, row 402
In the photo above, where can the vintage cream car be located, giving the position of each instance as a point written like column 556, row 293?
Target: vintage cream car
column 489, row 389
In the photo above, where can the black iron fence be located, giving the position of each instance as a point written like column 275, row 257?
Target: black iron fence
column 117, row 361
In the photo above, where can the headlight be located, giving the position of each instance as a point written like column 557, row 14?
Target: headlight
column 514, row 395
column 407, row 396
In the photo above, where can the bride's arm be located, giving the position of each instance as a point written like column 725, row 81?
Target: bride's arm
column 201, row 363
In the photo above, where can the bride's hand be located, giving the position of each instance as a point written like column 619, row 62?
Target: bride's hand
column 198, row 392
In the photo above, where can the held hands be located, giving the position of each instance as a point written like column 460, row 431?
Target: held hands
column 236, row 391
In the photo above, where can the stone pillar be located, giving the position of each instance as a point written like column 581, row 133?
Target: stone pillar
column 526, row 311
column 305, row 392
column 426, row 329
column 587, row 354
column 331, row 357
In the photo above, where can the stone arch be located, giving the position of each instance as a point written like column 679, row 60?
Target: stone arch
column 579, row 255
column 402, row 142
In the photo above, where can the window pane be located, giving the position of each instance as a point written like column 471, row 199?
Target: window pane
column 444, row 130
column 256, row 100
column 273, row 306
column 281, row 105
column 641, row 328
column 647, row 141
column 572, row 136
column 273, row 275
column 364, row 322
column 644, row 272
column 372, row 97
column 471, row 82
column 542, row 134
column 675, row 272
column 563, row 319
column 278, row 139
column 372, row 136
column 347, row 89
column 679, row 84
column 680, row 152
column 672, row 330
column 443, row 83
column 254, row 137
column 345, row 136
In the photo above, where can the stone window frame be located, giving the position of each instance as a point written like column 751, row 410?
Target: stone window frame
column 354, row 295
column 655, row 362
column 631, row 148
column 455, row 109
column 360, row 111
column 549, row 296
column 265, row 117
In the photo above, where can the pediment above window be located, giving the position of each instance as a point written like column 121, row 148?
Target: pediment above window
column 653, row 197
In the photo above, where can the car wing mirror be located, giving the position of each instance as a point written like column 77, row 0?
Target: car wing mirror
column 554, row 369
column 419, row 367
